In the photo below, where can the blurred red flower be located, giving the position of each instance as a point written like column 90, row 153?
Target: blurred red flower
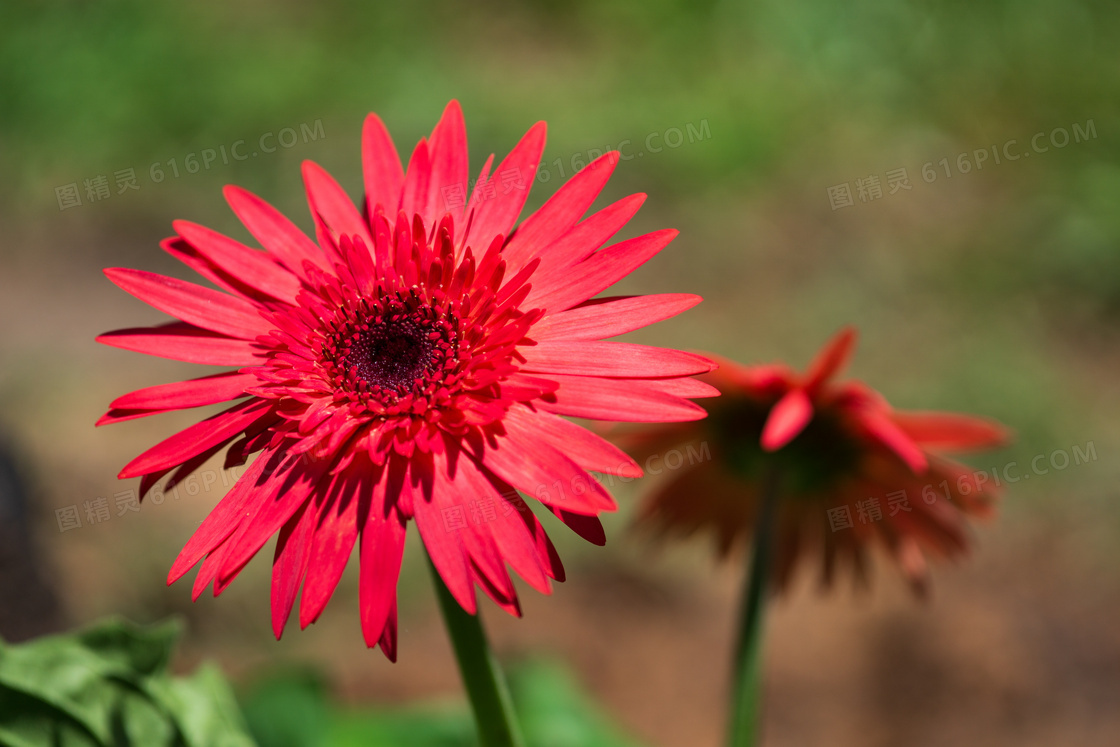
column 849, row 470
column 413, row 363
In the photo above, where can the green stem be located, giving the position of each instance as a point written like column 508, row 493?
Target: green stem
column 482, row 677
column 746, row 710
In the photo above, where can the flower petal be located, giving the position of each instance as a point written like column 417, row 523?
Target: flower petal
column 448, row 147
column 224, row 426
column 442, row 497
column 221, row 522
column 286, row 486
column 293, row 547
column 586, row 237
column 632, row 400
column 608, row 317
column 562, row 211
column 832, row 358
column 204, row 307
column 950, row 431
column 587, row 527
column 574, row 285
column 417, row 182
column 336, row 532
column 250, row 266
column 510, row 184
column 207, row 390
column 330, row 203
column 382, row 548
column 542, row 471
column 894, row 438
column 614, row 359
column 586, row 449
column 787, row 419
column 381, row 168
column 184, row 342
column 278, row 235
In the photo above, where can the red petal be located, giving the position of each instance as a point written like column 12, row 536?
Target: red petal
column 585, row 448
column 688, row 388
column 632, row 400
column 448, row 147
column 250, row 266
column 209, row 568
column 208, row 390
column 497, row 215
column 787, row 419
column 562, row 211
column 417, row 182
column 382, row 548
column 614, row 359
column 293, row 546
column 608, row 317
column 597, row 273
column 276, row 233
column 381, row 167
column 388, row 642
column 518, row 537
column 220, row 523
column 588, row 527
column 204, row 307
column 335, row 535
column 331, row 203
column 832, row 359
column 290, row 484
column 950, row 431
column 540, row 470
column 443, row 542
column 224, row 426
column 178, row 248
column 183, row 342
column 582, row 240
column 895, row 439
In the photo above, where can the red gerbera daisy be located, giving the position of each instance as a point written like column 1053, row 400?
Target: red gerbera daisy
column 413, row 363
column 850, row 470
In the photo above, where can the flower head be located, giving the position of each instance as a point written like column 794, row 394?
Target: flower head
column 849, row 469
column 412, row 363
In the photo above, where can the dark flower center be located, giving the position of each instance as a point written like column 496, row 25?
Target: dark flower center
column 813, row 461
column 391, row 354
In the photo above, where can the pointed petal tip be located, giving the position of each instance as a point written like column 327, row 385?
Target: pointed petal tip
column 786, row 420
column 833, row 357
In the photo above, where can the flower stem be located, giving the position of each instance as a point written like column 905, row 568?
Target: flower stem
column 746, row 711
column 482, row 677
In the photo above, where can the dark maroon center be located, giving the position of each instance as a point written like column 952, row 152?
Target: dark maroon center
column 391, row 354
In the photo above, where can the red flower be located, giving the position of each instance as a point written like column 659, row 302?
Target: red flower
column 850, row 470
column 413, row 364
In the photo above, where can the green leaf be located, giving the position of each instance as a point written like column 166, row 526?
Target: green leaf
column 108, row 686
